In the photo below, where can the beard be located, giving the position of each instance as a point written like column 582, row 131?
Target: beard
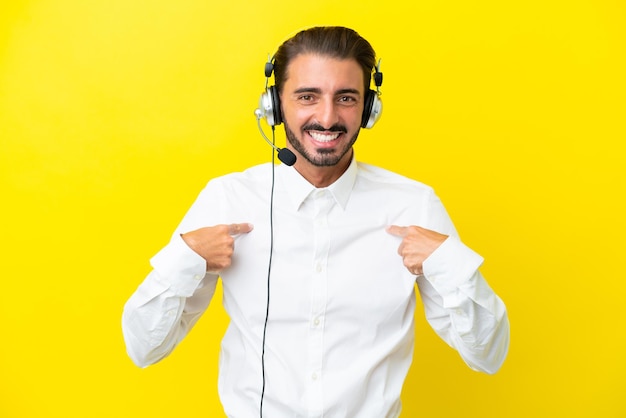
column 323, row 157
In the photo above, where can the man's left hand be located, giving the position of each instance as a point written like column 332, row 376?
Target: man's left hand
column 417, row 245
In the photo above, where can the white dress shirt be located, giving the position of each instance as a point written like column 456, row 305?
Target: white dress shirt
column 340, row 333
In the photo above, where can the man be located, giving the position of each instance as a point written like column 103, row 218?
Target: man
column 319, row 266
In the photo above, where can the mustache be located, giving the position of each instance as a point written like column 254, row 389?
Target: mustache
column 318, row 127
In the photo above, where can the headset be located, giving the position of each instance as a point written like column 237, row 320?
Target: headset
column 269, row 103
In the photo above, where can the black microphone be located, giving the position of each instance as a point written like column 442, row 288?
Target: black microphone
column 284, row 154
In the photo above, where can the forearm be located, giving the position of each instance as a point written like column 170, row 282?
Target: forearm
column 463, row 309
column 167, row 304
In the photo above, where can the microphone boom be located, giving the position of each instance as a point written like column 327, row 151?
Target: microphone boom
column 284, row 154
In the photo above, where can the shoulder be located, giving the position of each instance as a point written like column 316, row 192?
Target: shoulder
column 250, row 176
column 374, row 175
column 404, row 201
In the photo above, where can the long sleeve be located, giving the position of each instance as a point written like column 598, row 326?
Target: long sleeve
column 462, row 308
column 167, row 304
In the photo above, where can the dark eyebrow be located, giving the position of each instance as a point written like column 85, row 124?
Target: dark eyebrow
column 319, row 91
column 308, row 90
column 348, row 91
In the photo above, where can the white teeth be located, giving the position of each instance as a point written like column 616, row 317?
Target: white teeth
column 324, row 137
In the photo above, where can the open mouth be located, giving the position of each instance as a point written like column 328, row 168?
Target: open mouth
column 324, row 137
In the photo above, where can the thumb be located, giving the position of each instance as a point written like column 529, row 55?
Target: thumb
column 236, row 229
column 399, row 231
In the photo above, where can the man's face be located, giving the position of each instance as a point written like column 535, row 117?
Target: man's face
column 322, row 104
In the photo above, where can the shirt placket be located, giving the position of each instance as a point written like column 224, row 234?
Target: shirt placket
column 323, row 204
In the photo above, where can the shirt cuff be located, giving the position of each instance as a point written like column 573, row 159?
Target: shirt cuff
column 179, row 267
column 451, row 266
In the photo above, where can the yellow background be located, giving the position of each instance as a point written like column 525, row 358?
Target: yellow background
column 115, row 113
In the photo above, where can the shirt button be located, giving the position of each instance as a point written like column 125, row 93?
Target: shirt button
column 316, row 322
column 314, row 376
column 171, row 312
column 197, row 277
column 318, row 267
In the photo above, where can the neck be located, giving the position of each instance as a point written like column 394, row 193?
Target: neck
column 322, row 176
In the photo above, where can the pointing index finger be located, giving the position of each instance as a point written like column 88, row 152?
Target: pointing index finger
column 236, row 229
column 399, row 231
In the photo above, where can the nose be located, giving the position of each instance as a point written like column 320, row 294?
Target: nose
column 327, row 113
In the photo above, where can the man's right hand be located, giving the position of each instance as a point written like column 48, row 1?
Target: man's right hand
column 215, row 243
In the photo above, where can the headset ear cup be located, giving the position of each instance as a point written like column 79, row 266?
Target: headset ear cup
column 367, row 108
column 371, row 109
column 275, row 99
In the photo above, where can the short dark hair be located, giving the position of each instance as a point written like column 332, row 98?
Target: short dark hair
column 332, row 41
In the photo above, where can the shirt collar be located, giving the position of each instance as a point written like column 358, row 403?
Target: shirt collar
column 298, row 188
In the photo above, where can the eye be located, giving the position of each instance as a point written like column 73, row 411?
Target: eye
column 347, row 100
column 306, row 98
